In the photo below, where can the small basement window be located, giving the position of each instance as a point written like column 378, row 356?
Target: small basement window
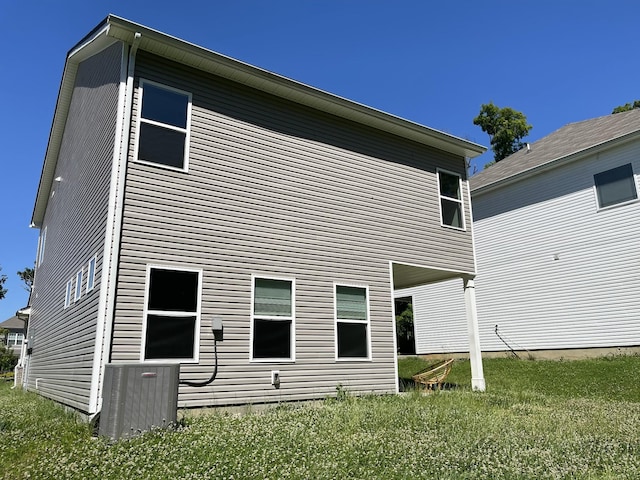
column 352, row 322
column 172, row 314
column 163, row 126
column 272, row 322
column 450, row 191
column 615, row 186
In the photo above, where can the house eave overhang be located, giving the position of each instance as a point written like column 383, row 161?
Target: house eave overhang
column 407, row 275
column 96, row 41
column 114, row 28
column 243, row 73
column 557, row 162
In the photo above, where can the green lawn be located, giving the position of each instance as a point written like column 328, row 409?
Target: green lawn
column 538, row 419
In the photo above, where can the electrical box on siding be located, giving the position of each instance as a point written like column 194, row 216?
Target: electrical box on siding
column 137, row 397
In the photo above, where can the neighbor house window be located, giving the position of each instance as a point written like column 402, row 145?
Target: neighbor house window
column 67, row 294
column 172, row 314
column 450, row 190
column 15, row 339
column 272, row 319
column 352, row 322
column 78, row 293
column 163, row 127
column 615, row 186
column 91, row 274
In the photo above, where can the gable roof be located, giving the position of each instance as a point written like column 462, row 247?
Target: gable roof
column 568, row 143
column 13, row 323
column 114, row 29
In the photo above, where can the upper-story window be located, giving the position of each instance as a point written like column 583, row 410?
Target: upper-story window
column 615, row 186
column 450, row 191
column 15, row 339
column 163, row 127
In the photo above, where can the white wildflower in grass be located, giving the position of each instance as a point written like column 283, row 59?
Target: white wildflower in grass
column 525, row 427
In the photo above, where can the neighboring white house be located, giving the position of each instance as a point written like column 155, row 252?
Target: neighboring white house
column 557, row 230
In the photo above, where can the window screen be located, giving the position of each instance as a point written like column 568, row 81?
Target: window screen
column 615, row 186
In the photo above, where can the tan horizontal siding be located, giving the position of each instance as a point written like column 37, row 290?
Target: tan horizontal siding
column 274, row 188
column 63, row 340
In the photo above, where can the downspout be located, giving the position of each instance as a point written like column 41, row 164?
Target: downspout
column 113, row 229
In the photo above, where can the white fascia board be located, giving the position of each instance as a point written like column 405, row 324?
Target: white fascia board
column 201, row 58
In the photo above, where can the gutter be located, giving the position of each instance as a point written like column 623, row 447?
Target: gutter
column 207, row 60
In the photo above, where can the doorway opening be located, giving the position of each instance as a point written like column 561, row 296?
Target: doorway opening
column 405, row 336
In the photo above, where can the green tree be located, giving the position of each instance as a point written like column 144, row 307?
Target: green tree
column 626, row 107
column 27, row 277
column 506, row 128
column 3, row 291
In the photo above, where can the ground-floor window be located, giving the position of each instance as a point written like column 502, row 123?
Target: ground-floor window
column 172, row 314
column 352, row 322
column 272, row 324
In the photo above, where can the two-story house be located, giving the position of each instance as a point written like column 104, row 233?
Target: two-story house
column 184, row 190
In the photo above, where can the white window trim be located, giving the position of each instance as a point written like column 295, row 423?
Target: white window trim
column 67, row 295
column 91, row 273
column 621, row 204
column 292, row 359
column 337, row 320
column 146, row 311
column 186, row 130
column 78, row 290
column 458, row 200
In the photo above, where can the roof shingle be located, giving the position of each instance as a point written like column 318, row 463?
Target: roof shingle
column 568, row 140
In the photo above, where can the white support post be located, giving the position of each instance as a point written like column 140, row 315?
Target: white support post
column 475, row 354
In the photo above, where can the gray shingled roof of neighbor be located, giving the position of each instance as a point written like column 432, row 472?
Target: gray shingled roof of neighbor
column 12, row 323
column 572, row 140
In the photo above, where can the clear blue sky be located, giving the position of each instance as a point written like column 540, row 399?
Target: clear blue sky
column 435, row 63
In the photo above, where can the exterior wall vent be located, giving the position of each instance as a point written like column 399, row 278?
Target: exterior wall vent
column 138, row 397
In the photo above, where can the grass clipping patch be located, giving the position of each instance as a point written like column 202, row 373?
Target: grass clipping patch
column 508, row 433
